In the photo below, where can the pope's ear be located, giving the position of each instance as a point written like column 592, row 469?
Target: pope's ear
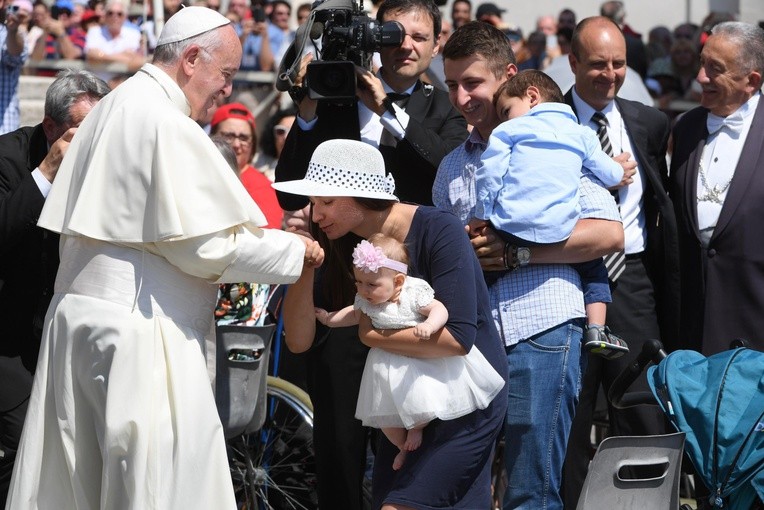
column 190, row 58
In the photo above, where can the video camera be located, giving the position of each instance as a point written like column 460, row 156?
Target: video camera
column 346, row 37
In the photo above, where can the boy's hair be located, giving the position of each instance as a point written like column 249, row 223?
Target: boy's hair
column 427, row 7
column 479, row 38
column 392, row 248
column 518, row 84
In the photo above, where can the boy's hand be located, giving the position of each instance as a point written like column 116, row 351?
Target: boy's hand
column 629, row 169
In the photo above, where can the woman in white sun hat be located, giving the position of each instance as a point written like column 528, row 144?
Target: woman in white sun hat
column 351, row 199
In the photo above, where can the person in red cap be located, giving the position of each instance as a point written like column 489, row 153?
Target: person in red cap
column 236, row 125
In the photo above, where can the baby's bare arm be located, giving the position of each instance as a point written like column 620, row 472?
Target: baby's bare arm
column 347, row 316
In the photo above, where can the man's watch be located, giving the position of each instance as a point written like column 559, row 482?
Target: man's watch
column 521, row 256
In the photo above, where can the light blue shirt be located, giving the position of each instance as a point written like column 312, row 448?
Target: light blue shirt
column 529, row 178
column 10, row 70
column 534, row 298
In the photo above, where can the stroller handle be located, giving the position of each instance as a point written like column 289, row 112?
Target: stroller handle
column 652, row 351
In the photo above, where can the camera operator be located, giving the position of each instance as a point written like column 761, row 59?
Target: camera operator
column 413, row 135
column 63, row 36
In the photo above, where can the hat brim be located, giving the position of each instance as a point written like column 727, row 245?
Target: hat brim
column 310, row 188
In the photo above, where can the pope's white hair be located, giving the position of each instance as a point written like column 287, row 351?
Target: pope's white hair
column 170, row 53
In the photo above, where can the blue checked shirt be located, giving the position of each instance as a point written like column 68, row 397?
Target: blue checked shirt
column 537, row 297
column 10, row 70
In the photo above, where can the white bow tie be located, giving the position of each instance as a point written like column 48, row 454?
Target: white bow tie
column 734, row 122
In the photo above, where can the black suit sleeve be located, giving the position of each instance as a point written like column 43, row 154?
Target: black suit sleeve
column 20, row 199
column 430, row 144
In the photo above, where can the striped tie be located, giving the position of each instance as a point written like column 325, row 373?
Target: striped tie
column 615, row 262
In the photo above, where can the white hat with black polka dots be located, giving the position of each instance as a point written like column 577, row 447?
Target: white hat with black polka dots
column 344, row 168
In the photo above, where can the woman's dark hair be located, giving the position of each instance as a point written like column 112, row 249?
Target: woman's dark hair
column 338, row 289
column 267, row 138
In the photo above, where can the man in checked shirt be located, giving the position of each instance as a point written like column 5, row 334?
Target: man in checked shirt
column 538, row 306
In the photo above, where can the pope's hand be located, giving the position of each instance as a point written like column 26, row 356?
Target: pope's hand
column 314, row 254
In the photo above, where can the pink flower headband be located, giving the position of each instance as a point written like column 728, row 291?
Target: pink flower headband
column 370, row 258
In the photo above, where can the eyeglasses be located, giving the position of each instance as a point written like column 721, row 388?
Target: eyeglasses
column 115, row 13
column 280, row 130
column 231, row 137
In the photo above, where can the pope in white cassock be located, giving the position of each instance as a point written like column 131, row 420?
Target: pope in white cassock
column 122, row 414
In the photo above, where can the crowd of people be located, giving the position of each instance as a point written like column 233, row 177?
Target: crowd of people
column 483, row 233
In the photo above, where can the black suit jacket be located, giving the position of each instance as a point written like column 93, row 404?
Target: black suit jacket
column 722, row 286
column 28, row 254
column 435, row 128
column 648, row 131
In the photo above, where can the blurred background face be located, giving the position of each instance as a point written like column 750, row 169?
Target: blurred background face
column 239, row 7
column 280, row 15
column 280, row 131
column 238, row 134
column 460, row 13
column 115, row 17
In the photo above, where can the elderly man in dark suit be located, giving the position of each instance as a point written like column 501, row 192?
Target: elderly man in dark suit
column 645, row 293
column 413, row 133
column 29, row 160
column 718, row 194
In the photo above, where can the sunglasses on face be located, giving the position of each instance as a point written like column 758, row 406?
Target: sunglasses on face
column 280, row 130
column 115, row 13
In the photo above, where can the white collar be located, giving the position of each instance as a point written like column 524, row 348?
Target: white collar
column 584, row 110
column 173, row 91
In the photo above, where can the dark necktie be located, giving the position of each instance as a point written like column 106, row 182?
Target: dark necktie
column 401, row 100
column 615, row 262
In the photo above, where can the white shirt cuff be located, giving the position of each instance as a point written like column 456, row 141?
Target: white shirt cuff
column 42, row 183
column 396, row 124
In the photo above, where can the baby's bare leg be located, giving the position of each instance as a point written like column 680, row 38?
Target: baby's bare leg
column 397, row 436
column 413, row 438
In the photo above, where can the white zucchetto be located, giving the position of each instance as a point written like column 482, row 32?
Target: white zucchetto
column 190, row 22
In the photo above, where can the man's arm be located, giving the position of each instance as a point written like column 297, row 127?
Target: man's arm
column 598, row 232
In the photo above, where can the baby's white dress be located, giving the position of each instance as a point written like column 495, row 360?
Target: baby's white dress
column 401, row 391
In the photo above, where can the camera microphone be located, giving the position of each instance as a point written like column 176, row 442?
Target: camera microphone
column 317, row 30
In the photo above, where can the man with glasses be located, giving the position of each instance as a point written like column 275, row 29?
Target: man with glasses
column 114, row 42
column 151, row 218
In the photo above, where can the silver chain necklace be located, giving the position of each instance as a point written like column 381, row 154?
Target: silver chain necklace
column 713, row 193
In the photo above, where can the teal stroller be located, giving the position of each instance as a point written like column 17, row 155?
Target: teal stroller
column 718, row 403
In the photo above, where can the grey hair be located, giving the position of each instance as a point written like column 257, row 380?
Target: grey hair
column 68, row 88
column 613, row 10
column 170, row 53
column 227, row 151
column 749, row 41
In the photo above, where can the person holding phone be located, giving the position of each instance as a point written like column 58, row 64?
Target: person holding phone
column 257, row 53
column 13, row 56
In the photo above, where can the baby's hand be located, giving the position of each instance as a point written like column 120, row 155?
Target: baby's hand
column 629, row 169
column 323, row 316
column 423, row 331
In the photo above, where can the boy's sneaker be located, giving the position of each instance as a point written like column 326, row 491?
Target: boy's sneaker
column 601, row 341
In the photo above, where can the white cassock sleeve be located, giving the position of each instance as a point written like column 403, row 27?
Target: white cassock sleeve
column 236, row 255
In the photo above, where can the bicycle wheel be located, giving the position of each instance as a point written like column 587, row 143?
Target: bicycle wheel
column 274, row 468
